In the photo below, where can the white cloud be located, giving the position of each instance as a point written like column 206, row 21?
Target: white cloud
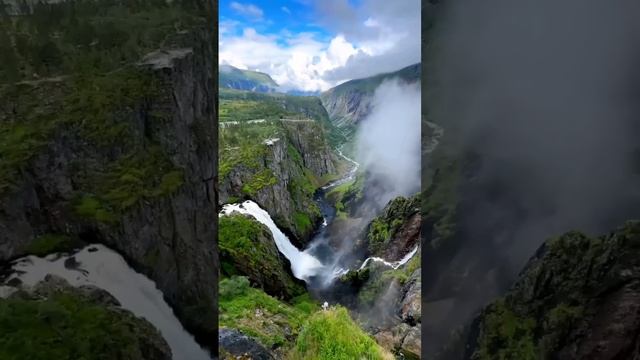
column 379, row 36
column 248, row 10
column 295, row 62
column 286, row 9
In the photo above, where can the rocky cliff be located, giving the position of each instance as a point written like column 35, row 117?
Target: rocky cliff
column 577, row 298
column 247, row 248
column 281, row 174
column 61, row 329
column 126, row 158
column 349, row 103
column 389, row 300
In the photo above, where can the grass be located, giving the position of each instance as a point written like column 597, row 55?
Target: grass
column 333, row 335
column 240, row 304
column 50, row 243
column 65, row 326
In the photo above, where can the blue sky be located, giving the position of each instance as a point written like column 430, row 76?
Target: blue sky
column 270, row 17
column 316, row 44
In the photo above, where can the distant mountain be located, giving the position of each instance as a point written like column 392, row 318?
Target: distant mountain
column 233, row 78
column 303, row 93
column 348, row 103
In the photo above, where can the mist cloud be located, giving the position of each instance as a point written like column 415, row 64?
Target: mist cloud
column 388, row 141
column 541, row 100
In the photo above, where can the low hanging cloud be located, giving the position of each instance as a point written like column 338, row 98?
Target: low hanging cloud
column 388, row 141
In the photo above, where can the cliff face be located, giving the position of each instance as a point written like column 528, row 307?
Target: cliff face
column 278, row 182
column 349, row 103
column 309, row 139
column 131, row 165
column 397, row 231
column 578, row 298
column 247, row 248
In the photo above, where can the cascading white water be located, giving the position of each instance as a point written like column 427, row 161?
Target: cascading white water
column 303, row 264
column 395, row 264
column 104, row 268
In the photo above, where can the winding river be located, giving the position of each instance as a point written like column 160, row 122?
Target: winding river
column 317, row 264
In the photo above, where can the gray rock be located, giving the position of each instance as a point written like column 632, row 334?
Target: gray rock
column 242, row 346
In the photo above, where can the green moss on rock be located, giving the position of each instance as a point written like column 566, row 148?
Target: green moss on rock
column 66, row 325
column 50, row 243
column 247, row 248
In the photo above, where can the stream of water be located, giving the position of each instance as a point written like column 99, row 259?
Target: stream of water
column 317, row 263
column 102, row 267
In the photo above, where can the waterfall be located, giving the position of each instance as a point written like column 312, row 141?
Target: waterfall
column 303, row 264
column 104, row 268
column 395, row 264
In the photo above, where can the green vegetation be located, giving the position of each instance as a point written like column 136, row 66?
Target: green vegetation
column 68, row 37
column 259, row 181
column 378, row 279
column 76, row 79
column 261, row 316
column 333, row 335
column 236, row 105
column 368, row 85
column 535, row 319
column 302, row 222
column 384, row 228
column 345, row 195
column 67, row 326
column 50, row 243
column 126, row 181
column 506, row 336
column 247, row 248
column 247, row 79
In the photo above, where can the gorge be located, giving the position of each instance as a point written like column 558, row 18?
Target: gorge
column 339, row 197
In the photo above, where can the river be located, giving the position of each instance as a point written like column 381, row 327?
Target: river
column 102, row 267
column 318, row 264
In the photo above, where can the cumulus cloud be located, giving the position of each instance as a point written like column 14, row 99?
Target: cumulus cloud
column 370, row 38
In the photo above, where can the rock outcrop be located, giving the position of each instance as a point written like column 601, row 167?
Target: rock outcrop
column 396, row 232
column 237, row 346
column 309, row 139
column 281, row 176
column 578, row 298
column 53, row 297
column 246, row 247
